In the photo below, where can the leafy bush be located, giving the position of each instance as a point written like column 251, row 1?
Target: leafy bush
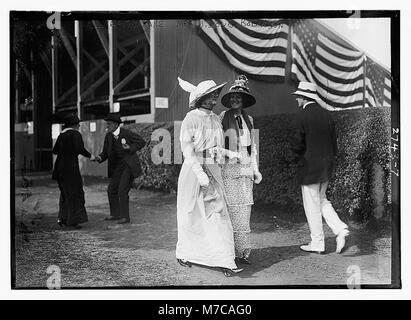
column 161, row 177
column 363, row 142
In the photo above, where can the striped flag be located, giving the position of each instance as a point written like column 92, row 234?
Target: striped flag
column 378, row 84
column 337, row 71
column 257, row 48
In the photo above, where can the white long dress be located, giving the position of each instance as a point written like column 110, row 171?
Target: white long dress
column 205, row 233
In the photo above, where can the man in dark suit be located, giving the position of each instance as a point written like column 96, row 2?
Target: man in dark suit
column 315, row 145
column 120, row 147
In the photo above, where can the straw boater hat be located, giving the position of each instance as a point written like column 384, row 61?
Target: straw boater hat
column 308, row 90
column 199, row 91
column 240, row 86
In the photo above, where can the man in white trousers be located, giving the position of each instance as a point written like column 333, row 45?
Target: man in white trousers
column 315, row 145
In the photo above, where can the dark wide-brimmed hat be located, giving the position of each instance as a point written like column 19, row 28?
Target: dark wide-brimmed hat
column 114, row 117
column 240, row 86
column 70, row 120
column 201, row 90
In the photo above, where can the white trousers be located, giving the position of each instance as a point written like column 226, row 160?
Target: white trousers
column 316, row 207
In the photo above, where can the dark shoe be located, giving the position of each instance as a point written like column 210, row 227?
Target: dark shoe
column 123, row 220
column 243, row 260
column 60, row 222
column 184, row 263
column 230, row 272
column 111, row 218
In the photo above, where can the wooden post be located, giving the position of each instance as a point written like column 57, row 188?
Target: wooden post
column 79, row 43
column 35, row 113
column 111, row 65
column 54, row 71
column 16, row 86
column 146, row 55
column 152, row 71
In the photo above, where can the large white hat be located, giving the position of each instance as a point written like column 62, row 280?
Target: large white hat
column 196, row 92
column 307, row 89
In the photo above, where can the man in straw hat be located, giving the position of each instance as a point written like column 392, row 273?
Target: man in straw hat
column 120, row 147
column 315, row 145
column 205, row 233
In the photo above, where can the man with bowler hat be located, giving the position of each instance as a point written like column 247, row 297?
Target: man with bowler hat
column 120, row 147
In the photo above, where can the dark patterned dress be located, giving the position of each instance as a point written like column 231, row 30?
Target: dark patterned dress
column 238, row 186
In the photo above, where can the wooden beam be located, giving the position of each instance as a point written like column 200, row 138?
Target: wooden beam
column 129, row 54
column 94, row 85
column 79, row 45
column 133, row 40
column 111, row 62
column 68, row 46
column 46, row 62
column 91, row 74
column 128, row 42
column 54, row 73
column 97, row 64
column 146, row 74
column 146, row 33
column 132, row 74
column 88, row 55
column 99, row 29
column 132, row 61
column 26, row 73
column 16, row 87
column 153, row 73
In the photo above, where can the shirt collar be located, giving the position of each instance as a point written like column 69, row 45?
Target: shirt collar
column 308, row 104
column 205, row 113
column 67, row 129
column 117, row 131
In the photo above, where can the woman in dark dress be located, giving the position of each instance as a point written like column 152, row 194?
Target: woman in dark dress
column 66, row 171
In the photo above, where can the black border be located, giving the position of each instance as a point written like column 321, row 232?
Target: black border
column 194, row 15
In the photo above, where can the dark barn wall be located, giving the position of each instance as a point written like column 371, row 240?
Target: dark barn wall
column 23, row 151
column 179, row 51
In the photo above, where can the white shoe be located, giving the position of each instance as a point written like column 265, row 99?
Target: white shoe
column 341, row 240
column 307, row 248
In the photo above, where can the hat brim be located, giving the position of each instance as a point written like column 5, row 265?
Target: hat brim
column 312, row 96
column 212, row 89
column 113, row 120
column 71, row 121
column 248, row 99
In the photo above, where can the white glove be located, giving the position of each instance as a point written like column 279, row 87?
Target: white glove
column 200, row 174
column 228, row 153
column 257, row 177
column 203, row 179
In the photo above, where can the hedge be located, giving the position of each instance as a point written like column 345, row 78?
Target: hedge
column 162, row 177
column 363, row 140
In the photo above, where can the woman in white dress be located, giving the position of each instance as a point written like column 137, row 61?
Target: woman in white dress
column 205, row 234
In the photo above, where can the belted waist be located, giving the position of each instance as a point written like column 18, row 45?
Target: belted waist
column 204, row 154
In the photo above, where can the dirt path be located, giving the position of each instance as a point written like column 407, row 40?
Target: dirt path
column 142, row 254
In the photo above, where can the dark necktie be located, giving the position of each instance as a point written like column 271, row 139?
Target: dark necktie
column 240, row 124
